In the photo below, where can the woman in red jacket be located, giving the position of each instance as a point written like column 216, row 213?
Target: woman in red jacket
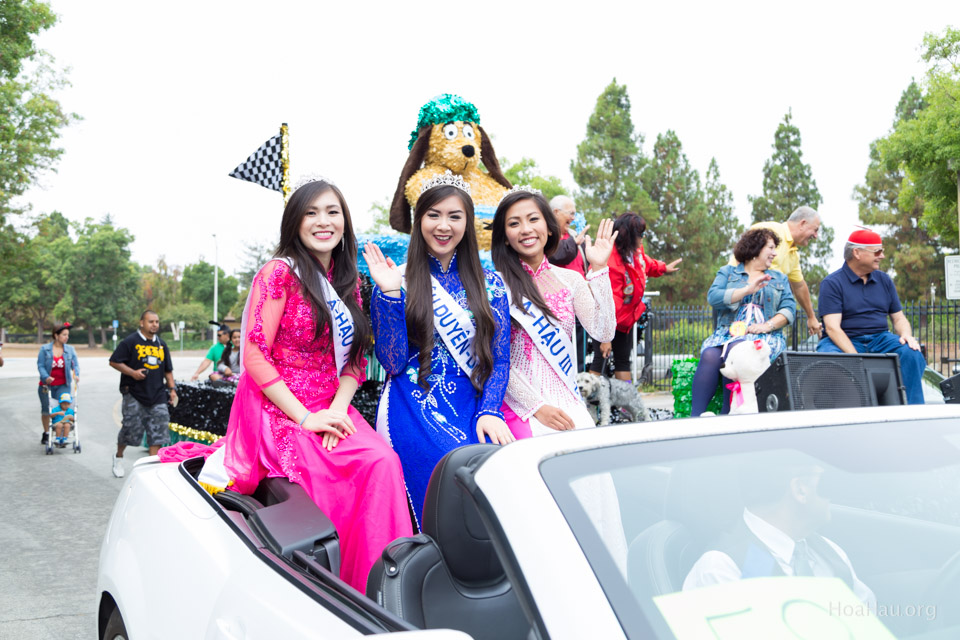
column 629, row 269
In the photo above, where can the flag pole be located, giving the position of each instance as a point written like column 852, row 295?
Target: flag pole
column 285, row 162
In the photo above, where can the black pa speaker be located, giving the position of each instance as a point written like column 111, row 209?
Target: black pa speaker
column 803, row 380
column 951, row 389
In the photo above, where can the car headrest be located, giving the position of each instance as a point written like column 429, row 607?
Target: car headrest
column 704, row 495
column 451, row 518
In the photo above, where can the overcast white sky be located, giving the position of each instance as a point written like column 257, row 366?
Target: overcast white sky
column 174, row 95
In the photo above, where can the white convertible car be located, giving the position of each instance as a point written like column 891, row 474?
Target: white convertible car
column 633, row 531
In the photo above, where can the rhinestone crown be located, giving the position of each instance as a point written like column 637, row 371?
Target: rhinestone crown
column 448, row 178
column 307, row 178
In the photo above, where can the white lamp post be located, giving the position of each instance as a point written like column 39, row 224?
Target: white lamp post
column 216, row 277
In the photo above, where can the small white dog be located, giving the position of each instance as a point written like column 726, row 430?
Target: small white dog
column 609, row 392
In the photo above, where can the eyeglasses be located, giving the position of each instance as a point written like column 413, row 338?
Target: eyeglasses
column 876, row 252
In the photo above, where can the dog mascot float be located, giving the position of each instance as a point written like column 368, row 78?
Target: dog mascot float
column 449, row 137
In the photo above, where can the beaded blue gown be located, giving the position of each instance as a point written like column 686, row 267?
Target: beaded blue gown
column 421, row 424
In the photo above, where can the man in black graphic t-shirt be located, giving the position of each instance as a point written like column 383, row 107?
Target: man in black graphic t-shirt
column 143, row 361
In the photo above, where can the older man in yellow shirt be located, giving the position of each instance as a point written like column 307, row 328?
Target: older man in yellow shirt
column 801, row 227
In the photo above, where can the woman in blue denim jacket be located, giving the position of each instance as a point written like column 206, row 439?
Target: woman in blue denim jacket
column 738, row 293
column 58, row 367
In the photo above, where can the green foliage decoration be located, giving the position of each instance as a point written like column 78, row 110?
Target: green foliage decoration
column 682, row 371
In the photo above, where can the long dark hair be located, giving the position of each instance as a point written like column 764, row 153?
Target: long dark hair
column 506, row 260
column 228, row 349
column 344, row 259
column 631, row 227
column 419, row 312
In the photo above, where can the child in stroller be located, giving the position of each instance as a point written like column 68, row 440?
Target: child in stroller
column 62, row 420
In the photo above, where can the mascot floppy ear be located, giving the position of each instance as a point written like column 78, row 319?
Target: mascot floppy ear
column 401, row 217
column 490, row 159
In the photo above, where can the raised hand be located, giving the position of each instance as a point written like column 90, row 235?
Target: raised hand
column 383, row 271
column 672, row 267
column 757, row 281
column 599, row 252
column 582, row 236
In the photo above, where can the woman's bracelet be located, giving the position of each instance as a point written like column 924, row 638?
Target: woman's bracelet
column 389, row 290
column 304, row 418
column 770, row 326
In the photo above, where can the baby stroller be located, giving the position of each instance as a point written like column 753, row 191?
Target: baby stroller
column 72, row 437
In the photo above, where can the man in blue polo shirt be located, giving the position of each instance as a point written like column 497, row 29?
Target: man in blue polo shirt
column 855, row 301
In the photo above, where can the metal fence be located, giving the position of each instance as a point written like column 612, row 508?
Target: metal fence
column 677, row 331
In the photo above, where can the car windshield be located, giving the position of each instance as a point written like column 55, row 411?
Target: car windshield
column 822, row 532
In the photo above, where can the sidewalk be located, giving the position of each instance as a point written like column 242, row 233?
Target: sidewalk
column 658, row 400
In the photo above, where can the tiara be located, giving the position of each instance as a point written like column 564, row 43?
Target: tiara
column 447, row 178
column 522, row 188
column 307, row 178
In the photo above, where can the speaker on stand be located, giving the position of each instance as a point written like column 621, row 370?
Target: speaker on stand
column 803, row 380
column 951, row 389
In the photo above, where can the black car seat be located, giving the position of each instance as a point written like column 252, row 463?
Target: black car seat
column 449, row 576
column 703, row 500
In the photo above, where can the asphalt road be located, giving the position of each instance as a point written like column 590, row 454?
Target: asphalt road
column 55, row 508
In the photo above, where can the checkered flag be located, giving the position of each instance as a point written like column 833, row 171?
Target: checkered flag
column 265, row 166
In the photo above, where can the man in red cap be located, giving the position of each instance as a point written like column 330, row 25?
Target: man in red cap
column 855, row 301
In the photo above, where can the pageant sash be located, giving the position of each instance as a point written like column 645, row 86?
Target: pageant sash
column 342, row 329
column 453, row 323
column 551, row 341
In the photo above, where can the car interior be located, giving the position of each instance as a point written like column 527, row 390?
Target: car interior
column 290, row 532
column 909, row 562
column 447, row 577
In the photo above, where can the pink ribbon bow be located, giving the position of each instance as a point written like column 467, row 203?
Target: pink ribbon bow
column 736, row 394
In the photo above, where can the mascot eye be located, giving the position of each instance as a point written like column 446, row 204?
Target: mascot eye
column 468, row 132
column 450, row 131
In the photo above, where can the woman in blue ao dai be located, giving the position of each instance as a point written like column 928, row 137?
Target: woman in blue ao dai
column 442, row 329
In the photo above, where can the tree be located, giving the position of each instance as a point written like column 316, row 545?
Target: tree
column 915, row 256
column 103, row 281
column 694, row 224
column 609, row 161
column 35, row 277
column 381, row 218
column 527, row 173
column 193, row 314
column 160, row 287
column 30, row 119
column 787, row 184
column 927, row 146
column 197, row 286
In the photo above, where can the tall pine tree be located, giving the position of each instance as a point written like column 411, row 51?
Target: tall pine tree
column 886, row 199
column 787, row 184
column 696, row 224
column 609, row 161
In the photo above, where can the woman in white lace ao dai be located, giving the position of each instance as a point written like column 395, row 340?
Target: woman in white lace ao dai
column 542, row 395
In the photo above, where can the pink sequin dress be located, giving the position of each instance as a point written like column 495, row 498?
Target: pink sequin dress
column 359, row 484
column 533, row 382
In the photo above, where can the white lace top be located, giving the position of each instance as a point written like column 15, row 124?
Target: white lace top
column 533, row 382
